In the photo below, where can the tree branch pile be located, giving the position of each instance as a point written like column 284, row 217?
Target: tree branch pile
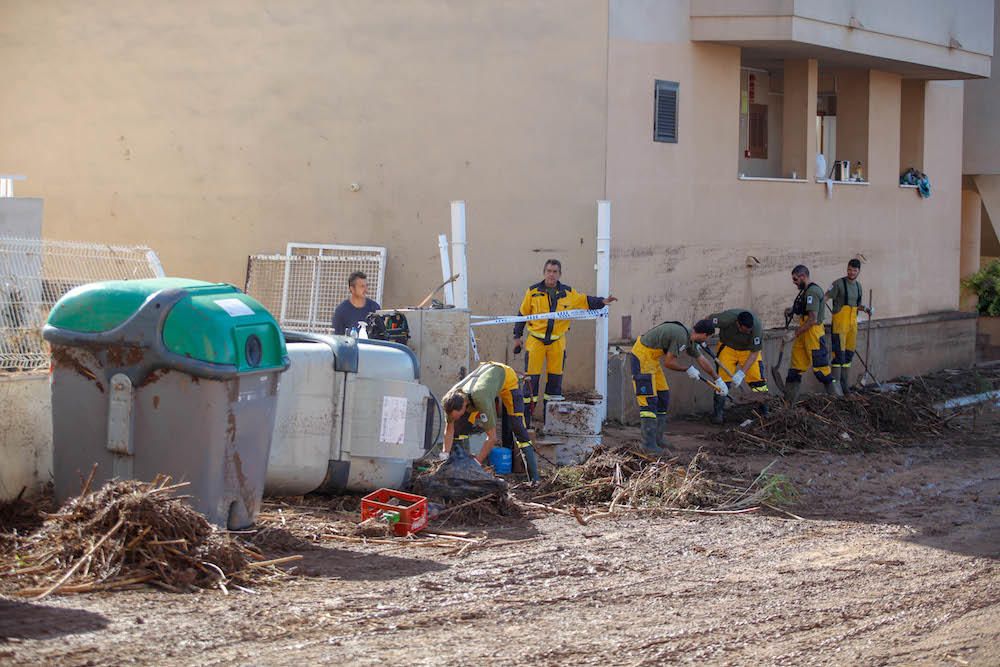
column 130, row 533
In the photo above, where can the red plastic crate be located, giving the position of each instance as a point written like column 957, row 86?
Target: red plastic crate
column 412, row 510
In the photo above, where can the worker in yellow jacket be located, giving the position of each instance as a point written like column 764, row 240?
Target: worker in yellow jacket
column 546, row 342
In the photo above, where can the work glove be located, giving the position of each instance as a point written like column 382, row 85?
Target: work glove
column 693, row 373
column 720, row 386
column 789, row 336
column 443, row 456
column 738, row 378
column 871, row 312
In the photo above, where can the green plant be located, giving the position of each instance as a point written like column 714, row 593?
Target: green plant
column 776, row 489
column 986, row 285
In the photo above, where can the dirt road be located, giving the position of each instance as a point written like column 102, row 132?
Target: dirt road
column 894, row 562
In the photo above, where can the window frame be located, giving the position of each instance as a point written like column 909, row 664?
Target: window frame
column 661, row 86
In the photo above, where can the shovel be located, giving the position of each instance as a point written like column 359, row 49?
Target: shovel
column 776, row 369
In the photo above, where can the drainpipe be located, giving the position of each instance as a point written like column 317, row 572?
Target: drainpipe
column 458, row 254
column 449, row 292
column 603, row 287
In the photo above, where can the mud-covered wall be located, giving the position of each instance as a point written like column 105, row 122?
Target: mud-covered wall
column 26, row 425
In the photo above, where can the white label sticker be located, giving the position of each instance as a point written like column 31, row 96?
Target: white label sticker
column 393, row 420
column 809, row 299
column 756, row 340
column 234, row 307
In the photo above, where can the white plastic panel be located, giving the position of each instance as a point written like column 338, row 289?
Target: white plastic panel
column 384, row 418
column 307, row 424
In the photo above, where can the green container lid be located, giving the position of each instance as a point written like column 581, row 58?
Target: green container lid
column 212, row 322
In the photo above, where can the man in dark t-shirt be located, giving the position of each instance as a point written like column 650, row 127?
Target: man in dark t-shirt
column 355, row 308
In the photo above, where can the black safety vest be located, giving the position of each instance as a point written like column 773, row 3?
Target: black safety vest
column 799, row 306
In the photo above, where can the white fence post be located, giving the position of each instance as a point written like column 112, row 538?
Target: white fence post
column 603, row 288
column 458, row 258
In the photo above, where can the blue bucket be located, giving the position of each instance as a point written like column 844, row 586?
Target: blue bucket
column 501, row 460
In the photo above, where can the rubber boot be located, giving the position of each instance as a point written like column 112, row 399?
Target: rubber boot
column 718, row 409
column 648, row 426
column 661, row 429
column 832, row 388
column 845, row 383
column 531, row 463
column 792, row 390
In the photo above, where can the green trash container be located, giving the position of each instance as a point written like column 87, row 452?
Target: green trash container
column 170, row 376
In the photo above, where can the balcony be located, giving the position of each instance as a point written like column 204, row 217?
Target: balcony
column 917, row 39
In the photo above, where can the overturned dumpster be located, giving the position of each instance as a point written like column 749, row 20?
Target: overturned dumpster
column 352, row 416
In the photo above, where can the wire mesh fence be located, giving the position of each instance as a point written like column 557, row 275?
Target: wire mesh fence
column 35, row 273
column 303, row 288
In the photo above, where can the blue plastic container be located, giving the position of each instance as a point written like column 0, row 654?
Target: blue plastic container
column 501, row 460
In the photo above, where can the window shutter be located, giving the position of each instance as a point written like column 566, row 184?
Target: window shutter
column 665, row 112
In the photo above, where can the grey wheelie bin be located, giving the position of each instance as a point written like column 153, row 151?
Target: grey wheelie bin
column 168, row 376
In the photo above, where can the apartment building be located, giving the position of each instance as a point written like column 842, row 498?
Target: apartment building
column 215, row 130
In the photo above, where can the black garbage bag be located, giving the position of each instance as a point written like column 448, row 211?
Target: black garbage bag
column 459, row 478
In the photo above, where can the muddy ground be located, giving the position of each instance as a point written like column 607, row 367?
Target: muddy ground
column 894, row 561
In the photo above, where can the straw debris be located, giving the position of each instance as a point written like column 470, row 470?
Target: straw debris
column 129, row 533
column 861, row 422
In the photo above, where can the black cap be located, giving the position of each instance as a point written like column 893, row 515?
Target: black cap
column 745, row 319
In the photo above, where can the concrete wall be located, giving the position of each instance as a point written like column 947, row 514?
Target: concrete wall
column 899, row 346
column 215, row 130
column 981, row 144
column 26, row 425
column 21, row 217
column 946, row 38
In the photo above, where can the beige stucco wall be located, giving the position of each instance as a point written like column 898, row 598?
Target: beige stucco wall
column 982, row 131
column 215, row 138
column 684, row 223
column 214, row 130
column 26, row 425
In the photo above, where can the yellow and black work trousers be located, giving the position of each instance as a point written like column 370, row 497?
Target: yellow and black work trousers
column 551, row 356
column 844, row 336
column 510, row 408
column 652, row 392
column 734, row 360
column 809, row 351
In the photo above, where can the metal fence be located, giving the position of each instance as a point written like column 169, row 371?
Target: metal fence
column 35, row 273
column 303, row 287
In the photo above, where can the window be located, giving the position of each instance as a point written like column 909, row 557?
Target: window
column 757, row 132
column 665, row 112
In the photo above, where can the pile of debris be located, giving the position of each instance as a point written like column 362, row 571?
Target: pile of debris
column 626, row 479
column 864, row 421
column 126, row 534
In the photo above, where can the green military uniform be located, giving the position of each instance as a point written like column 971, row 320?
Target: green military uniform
column 652, row 392
column 730, row 334
column 672, row 337
column 494, row 382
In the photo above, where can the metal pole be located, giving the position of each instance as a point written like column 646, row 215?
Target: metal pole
column 449, row 291
column 603, row 287
column 458, row 258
